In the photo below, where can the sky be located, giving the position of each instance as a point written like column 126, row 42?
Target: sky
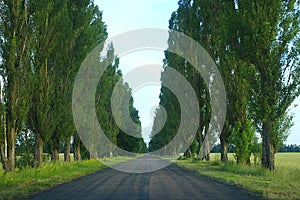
column 121, row 16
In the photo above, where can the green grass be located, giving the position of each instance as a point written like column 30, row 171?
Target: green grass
column 28, row 180
column 284, row 183
column 116, row 160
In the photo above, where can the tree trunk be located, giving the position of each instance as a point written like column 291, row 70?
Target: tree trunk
column 91, row 150
column 11, row 142
column 67, row 154
column 3, row 139
column 224, row 149
column 206, row 157
column 3, row 157
column 206, row 146
column 188, row 153
column 38, row 151
column 55, row 155
column 248, row 162
column 206, row 150
column 55, row 149
column 11, row 152
column 3, row 149
column 200, row 142
column 206, row 142
column 77, row 153
column 268, row 151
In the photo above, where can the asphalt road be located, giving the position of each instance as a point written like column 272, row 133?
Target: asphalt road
column 171, row 182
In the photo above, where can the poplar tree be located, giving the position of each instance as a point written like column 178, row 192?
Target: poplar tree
column 15, row 69
column 270, row 40
column 88, row 31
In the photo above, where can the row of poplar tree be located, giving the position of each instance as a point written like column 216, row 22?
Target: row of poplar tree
column 256, row 47
column 43, row 43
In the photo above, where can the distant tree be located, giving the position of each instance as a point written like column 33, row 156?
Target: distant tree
column 289, row 148
column 132, row 143
column 162, row 134
column 88, row 31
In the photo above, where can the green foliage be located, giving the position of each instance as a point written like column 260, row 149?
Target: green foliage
column 15, row 70
column 242, row 138
column 43, row 44
column 271, row 45
column 256, row 150
column 112, row 81
column 25, row 149
column 169, row 129
column 256, row 48
column 282, row 130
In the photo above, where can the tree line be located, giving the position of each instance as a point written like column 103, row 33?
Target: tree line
column 289, row 148
column 42, row 45
column 283, row 149
column 256, row 47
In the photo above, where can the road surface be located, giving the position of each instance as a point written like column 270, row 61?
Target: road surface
column 171, row 182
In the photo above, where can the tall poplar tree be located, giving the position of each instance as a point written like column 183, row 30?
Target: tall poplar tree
column 270, row 40
column 88, row 31
column 16, row 30
column 49, row 23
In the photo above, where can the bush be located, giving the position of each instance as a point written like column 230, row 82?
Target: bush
column 25, row 160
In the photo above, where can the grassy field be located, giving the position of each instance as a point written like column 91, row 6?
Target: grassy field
column 284, row 183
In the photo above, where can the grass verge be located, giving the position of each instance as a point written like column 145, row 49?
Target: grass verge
column 117, row 160
column 23, row 182
column 284, row 183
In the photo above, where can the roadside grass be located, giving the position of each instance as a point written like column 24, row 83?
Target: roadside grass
column 116, row 160
column 284, row 183
column 23, row 182
column 27, row 180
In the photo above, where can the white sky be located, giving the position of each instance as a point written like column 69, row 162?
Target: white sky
column 121, row 16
